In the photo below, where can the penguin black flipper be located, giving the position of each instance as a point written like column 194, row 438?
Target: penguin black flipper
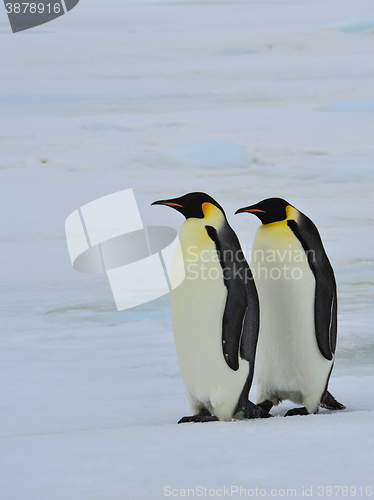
column 240, row 324
column 325, row 305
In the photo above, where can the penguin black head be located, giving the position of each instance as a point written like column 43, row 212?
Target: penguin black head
column 191, row 204
column 269, row 210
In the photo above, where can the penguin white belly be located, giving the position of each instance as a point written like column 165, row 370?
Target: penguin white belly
column 289, row 364
column 197, row 307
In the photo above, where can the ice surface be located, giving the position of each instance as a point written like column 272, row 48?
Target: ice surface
column 90, row 396
column 356, row 25
column 237, row 52
column 351, row 106
column 215, row 153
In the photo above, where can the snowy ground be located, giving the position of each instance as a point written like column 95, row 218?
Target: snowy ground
column 244, row 100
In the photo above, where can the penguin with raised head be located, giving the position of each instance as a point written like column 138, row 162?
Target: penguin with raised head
column 298, row 309
column 214, row 313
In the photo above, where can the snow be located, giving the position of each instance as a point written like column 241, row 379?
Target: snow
column 356, row 25
column 142, row 95
column 214, row 153
column 351, row 107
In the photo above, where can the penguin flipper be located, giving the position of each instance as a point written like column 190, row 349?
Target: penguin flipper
column 325, row 305
column 240, row 322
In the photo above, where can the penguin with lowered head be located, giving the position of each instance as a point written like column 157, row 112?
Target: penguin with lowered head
column 214, row 313
column 298, row 309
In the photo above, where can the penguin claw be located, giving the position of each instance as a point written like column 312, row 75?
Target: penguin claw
column 328, row 401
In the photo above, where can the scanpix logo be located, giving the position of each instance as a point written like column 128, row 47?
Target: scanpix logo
column 142, row 263
column 24, row 15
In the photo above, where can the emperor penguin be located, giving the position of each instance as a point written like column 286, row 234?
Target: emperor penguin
column 298, row 309
column 214, row 313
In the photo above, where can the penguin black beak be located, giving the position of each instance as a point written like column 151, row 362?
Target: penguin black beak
column 169, row 203
column 252, row 209
column 173, row 203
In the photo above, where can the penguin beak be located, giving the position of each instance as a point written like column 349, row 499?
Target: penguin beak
column 173, row 203
column 166, row 202
column 252, row 209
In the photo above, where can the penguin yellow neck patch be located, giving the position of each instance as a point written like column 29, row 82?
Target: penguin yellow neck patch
column 279, row 230
column 194, row 232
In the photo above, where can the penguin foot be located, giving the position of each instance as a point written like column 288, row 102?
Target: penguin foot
column 198, row 418
column 203, row 416
column 255, row 411
column 266, row 405
column 297, row 411
column 328, row 401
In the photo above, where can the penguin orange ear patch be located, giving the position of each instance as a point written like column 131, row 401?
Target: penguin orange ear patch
column 207, row 208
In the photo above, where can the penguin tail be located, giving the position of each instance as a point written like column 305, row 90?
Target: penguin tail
column 328, row 401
